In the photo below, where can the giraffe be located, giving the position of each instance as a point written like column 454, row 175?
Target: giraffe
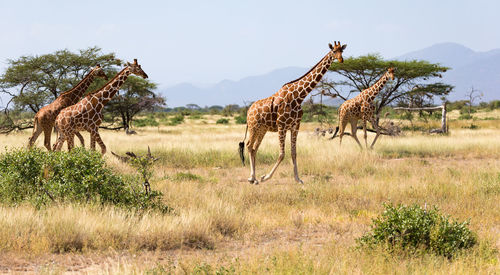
column 45, row 117
column 282, row 112
column 361, row 107
column 87, row 113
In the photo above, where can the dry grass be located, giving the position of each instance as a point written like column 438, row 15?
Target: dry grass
column 277, row 226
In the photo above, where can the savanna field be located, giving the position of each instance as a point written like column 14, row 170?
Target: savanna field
column 221, row 224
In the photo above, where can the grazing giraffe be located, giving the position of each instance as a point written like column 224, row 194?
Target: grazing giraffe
column 45, row 117
column 87, row 114
column 361, row 107
column 282, row 112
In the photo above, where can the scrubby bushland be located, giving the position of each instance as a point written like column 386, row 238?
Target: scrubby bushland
column 416, row 229
column 80, row 176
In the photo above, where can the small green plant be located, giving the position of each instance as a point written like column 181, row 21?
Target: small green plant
column 241, row 119
column 186, row 177
column 144, row 167
column 148, row 121
column 222, row 121
column 472, row 126
column 195, row 116
column 177, row 119
column 465, row 116
column 416, row 229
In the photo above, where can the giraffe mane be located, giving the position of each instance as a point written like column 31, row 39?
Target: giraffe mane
column 105, row 85
column 293, row 81
column 72, row 89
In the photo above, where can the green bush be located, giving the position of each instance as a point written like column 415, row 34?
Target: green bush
column 465, row 110
column 222, row 121
column 40, row 178
column 241, row 119
column 414, row 228
column 465, row 116
column 143, row 122
column 177, row 119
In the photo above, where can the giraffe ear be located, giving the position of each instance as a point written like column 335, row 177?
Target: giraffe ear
column 128, row 64
column 344, row 46
column 330, row 45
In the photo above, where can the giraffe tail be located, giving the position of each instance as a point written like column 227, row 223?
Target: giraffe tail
column 335, row 134
column 241, row 148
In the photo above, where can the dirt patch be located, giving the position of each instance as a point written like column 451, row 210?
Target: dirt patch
column 311, row 238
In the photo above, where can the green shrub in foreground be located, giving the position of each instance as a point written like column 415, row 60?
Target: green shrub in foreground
column 81, row 176
column 414, row 228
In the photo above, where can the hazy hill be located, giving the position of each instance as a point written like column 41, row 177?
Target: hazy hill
column 469, row 68
column 232, row 92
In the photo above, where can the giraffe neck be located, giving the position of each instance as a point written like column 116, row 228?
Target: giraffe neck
column 77, row 92
column 306, row 84
column 373, row 91
column 105, row 94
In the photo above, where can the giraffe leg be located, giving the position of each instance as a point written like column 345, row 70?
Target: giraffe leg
column 365, row 135
column 37, row 130
column 253, row 146
column 60, row 141
column 97, row 138
column 354, row 128
column 342, row 125
column 374, row 124
column 47, row 132
column 92, row 142
column 294, row 134
column 70, row 139
column 282, row 136
column 250, row 142
column 80, row 137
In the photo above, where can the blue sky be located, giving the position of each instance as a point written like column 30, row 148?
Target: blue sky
column 208, row 41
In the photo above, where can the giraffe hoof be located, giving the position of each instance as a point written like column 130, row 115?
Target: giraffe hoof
column 253, row 181
column 299, row 181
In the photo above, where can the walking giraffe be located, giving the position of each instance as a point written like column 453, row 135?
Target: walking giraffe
column 87, row 114
column 45, row 117
column 282, row 112
column 361, row 107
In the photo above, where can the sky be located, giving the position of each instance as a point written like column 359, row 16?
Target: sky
column 204, row 42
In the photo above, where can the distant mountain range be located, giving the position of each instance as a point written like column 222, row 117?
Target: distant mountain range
column 227, row 92
column 480, row 70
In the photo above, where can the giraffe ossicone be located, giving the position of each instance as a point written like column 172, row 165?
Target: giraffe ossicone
column 45, row 118
column 87, row 113
column 282, row 112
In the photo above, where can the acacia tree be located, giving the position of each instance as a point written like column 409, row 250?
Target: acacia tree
column 30, row 82
column 359, row 73
column 135, row 95
column 34, row 81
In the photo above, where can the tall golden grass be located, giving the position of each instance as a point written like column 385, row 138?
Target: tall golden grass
column 277, row 226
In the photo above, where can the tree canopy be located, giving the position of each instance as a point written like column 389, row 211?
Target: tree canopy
column 135, row 95
column 34, row 81
column 359, row 73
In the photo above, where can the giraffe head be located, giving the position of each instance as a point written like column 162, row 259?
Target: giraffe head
column 337, row 50
column 99, row 72
column 390, row 71
column 136, row 69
